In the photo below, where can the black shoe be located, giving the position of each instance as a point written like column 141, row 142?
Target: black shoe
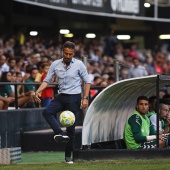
column 68, row 160
column 61, row 138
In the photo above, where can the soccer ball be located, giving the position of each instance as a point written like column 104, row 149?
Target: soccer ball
column 67, row 118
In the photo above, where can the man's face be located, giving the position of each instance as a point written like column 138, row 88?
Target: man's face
column 33, row 73
column 164, row 112
column 12, row 64
column 46, row 69
column 2, row 60
column 153, row 105
column 142, row 107
column 136, row 62
column 68, row 54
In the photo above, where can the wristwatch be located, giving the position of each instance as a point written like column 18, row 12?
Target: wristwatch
column 86, row 97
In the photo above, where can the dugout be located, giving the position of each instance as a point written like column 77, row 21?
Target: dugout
column 106, row 116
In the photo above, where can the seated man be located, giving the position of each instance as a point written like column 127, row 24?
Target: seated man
column 164, row 123
column 31, row 88
column 139, row 133
column 152, row 106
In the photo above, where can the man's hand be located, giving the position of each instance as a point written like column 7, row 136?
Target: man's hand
column 10, row 99
column 163, row 137
column 84, row 104
column 36, row 97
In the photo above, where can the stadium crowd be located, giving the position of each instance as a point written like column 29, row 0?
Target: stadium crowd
column 22, row 59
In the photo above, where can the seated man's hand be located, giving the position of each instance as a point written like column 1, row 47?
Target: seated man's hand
column 10, row 99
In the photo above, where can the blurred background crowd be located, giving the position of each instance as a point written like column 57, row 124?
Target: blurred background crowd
column 26, row 59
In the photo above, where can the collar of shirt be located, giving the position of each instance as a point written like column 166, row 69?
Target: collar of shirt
column 72, row 61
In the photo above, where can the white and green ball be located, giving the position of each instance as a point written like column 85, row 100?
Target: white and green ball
column 67, row 118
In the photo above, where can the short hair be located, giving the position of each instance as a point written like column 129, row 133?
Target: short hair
column 10, row 59
column 39, row 65
column 69, row 44
column 136, row 59
column 161, row 105
column 166, row 96
column 142, row 98
column 34, row 68
column 111, row 78
column 28, row 68
column 164, row 101
column 18, row 73
column 45, row 65
column 18, row 59
column 96, row 77
column 151, row 99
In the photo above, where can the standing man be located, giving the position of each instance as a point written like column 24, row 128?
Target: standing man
column 69, row 72
column 137, row 70
column 139, row 133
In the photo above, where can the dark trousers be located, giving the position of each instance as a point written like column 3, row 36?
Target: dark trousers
column 62, row 102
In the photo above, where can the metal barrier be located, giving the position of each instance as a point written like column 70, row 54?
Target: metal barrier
column 37, row 84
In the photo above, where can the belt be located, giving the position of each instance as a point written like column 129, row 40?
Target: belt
column 65, row 94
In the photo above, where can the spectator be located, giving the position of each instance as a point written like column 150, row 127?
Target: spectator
column 31, row 88
column 35, row 58
column 111, row 80
column 133, row 52
column 149, row 64
column 12, row 64
column 19, row 79
column 123, row 74
column 13, row 79
column 27, row 71
column 39, row 74
column 19, row 65
column 96, row 82
column 48, row 93
column 1, row 50
column 6, row 90
column 103, row 83
column 20, row 88
column 5, row 101
column 3, row 66
column 166, row 67
column 45, row 59
column 138, row 132
column 105, row 77
column 119, row 54
column 137, row 70
column 109, row 43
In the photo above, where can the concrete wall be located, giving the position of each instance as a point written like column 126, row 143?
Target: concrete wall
column 12, row 122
